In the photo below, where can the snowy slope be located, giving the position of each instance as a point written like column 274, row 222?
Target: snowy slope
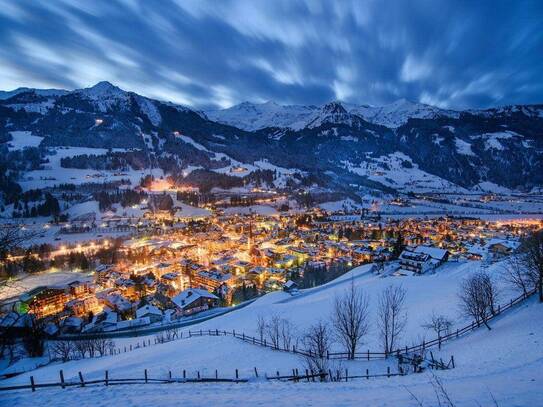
column 254, row 116
column 504, row 364
column 398, row 113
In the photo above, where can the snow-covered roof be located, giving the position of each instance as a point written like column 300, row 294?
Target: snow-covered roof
column 148, row 309
column 510, row 244
column 187, row 297
column 434, row 252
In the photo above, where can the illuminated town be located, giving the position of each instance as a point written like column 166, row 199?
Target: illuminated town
column 223, row 260
column 327, row 203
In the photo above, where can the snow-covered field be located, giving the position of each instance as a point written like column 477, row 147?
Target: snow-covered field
column 54, row 174
column 505, row 363
column 25, row 283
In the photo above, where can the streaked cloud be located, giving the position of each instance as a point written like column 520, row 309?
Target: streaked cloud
column 216, row 53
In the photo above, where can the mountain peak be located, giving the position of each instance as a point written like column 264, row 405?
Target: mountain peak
column 334, row 107
column 103, row 88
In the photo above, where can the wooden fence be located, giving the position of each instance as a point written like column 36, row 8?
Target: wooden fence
column 367, row 355
column 296, row 376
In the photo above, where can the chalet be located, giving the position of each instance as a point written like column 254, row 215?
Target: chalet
column 498, row 248
column 194, row 300
column 104, row 321
column 149, row 311
column 420, row 259
column 290, row 287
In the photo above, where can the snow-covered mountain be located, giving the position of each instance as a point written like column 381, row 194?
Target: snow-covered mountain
column 41, row 92
column 251, row 116
column 403, row 146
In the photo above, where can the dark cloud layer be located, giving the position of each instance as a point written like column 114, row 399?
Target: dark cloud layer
column 215, row 53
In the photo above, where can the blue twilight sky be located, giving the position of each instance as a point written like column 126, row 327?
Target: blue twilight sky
column 206, row 54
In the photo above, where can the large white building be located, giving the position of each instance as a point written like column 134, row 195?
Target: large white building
column 421, row 259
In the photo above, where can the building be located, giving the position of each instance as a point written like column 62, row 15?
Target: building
column 45, row 301
column 290, row 287
column 149, row 311
column 194, row 300
column 211, row 280
column 499, row 248
column 81, row 307
column 421, row 259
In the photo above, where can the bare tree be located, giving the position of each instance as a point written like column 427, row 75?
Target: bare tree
column 13, row 236
column 287, row 333
column 517, row 274
column 440, row 324
column 84, row 347
column 478, row 296
column 273, row 330
column 350, row 318
column 261, row 327
column 171, row 334
column 317, row 341
column 34, row 337
column 102, row 345
column 532, row 250
column 63, row 350
column 8, row 335
column 391, row 316
column 280, row 332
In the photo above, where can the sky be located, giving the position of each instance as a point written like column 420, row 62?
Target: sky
column 214, row 54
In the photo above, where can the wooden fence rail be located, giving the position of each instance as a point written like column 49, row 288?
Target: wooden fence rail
column 309, row 376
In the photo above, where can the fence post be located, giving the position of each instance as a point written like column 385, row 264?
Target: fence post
column 107, row 378
column 368, row 354
column 307, row 374
column 81, row 379
column 61, row 374
column 32, row 383
column 367, row 374
column 346, row 375
column 169, row 374
column 452, row 361
column 256, row 372
column 439, row 341
column 388, row 371
column 216, row 374
column 457, row 332
column 184, row 374
column 198, row 374
column 145, row 373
